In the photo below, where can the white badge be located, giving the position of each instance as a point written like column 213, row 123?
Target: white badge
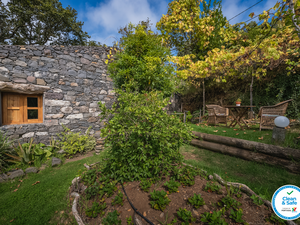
column 286, row 201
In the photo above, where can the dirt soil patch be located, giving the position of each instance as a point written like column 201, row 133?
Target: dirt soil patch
column 252, row 213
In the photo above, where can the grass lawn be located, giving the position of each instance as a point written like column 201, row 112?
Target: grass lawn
column 37, row 204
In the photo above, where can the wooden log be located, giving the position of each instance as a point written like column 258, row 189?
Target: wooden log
column 273, row 150
column 247, row 155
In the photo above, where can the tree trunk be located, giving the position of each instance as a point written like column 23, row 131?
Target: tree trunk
column 273, row 150
column 251, row 99
column 248, row 155
column 203, row 97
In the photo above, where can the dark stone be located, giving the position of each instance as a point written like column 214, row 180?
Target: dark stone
column 17, row 173
column 31, row 170
column 58, row 96
column 56, row 161
column 278, row 135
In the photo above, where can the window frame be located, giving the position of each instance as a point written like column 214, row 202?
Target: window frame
column 23, row 108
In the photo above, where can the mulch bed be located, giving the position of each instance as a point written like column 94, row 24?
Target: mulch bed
column 252, row 213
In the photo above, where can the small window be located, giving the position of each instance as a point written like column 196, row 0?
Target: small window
column 21, row 109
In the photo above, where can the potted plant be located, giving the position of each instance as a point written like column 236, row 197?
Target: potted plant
column 238, row 102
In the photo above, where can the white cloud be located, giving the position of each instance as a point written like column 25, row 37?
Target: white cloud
column 5, row 1
column 114, row 14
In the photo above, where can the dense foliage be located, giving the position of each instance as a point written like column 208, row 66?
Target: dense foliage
column 143, row 59
column 5, row 148
column 28, row 22
column 144, row 140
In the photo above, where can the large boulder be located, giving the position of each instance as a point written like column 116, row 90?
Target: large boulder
column 56, row 161
column 17, row 173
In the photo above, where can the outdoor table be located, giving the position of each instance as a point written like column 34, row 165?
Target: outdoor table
column 240, row 111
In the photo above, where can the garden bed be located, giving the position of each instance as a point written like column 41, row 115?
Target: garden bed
column 233, row 198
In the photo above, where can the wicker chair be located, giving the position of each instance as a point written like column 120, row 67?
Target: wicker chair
column 217, row 114
column 268, row 114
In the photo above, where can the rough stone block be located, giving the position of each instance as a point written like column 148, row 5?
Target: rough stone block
column 50, row 122
column 40, row 82
column 49, row 102
column 56, row 96
column 92, row 119
column 31, row 79
column 103, row 92
column 63, row 121
column 74, row 84
column 3, row 69
column 28, row 135
column 17, row 173
column 31, row 170
column 20, row 63
column 4, row 78
column 85, row 61
column 66, row 109
column 41, row 133
column 75, row 116
column 56, row 161
column 70, row 98
column 23, row 81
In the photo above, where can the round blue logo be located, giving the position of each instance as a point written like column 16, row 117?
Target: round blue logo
column 285, row 202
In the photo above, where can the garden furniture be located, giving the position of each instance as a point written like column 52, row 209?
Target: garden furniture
column 237, row 113
column 216, row 114
column 268, row 114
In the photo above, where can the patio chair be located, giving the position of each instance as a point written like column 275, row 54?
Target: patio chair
column 268, row 114
column 217, row 114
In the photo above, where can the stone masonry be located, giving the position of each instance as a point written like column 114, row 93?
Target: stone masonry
column 77, row 80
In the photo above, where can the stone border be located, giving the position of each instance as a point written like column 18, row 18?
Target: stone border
column 244, row 188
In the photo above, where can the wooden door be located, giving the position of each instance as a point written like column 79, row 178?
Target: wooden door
column 12, row 108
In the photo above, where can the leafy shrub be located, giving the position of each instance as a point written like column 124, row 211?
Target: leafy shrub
column 160, row 200
column 5, row 148
column 257, row 200
column 228, row 202
column 213, row 218
column 92, row 190
column 107, row 188
column 212, row 187
column 237, row 216
column 111, row 218
column 72, row 142
column 196, row 201
column 172, row 186
column 118, row 200
column 275, row 219
column 146, row 184
column 95, row 210
column 89, row 177
column 143, row 139
column 186, row 216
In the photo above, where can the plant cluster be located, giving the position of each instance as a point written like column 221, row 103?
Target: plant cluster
column 129, row 221
column 111, row 218
column 275, row 219
column 213, row 218
column 257, row 200
column 89, row 177
column 92, row 190
column 172, row 185
column 186, row 175
column 212, row 187
column 72, row 142
column 5, row 150
column 118, row 200
column 95, row 210
column 229, row 202
column 234, row 191
column 107, row 188
column 196, row 201
column 186, row 216
column 159, row 200
column 29, row 153
column 237, row 216
column 146, row 184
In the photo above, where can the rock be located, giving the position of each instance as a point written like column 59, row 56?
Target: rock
column 62, row 103
column 20, row 63
column 137, row 220
column 195, row 212
column 210, row 177
column 31, row 170
column 205, row 207
column 161, row 215
column 17, row 173
column 28, row 135
column 3, row 177
column 31, row 79
column 75, row 116
column 40, row 82
column 61, row 152
column 56, row 161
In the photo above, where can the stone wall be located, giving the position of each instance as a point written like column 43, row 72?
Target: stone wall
column 76, row 78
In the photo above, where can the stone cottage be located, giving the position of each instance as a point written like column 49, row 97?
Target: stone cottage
column 43, row 87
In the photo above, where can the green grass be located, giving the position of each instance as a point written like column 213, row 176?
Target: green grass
column 251, row 134
column 37, row 204
column 262, row 179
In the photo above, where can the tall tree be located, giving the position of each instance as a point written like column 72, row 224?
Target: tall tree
column 28, row 22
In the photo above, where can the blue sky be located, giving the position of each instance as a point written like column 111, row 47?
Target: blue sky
column 103, row 18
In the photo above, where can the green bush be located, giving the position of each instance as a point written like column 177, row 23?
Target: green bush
column 72, row 142
column 6, row 147
column 143, row 139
